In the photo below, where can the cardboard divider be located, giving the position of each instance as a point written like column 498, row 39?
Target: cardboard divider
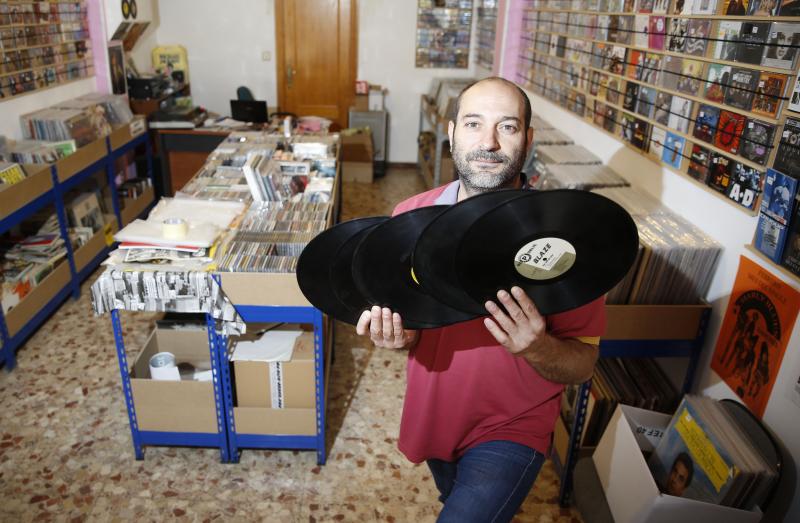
column 561, row 440
column 127, row 132
column 81, row 159
column 175, row 406
column 263, row 421
column 23, row 312
column 135, row 206
column 15, row 196
column 267, row 289
column 653, row 322
column 86, row 253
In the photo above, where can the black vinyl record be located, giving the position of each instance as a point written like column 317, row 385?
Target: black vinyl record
column 382, row 271
column 434, row 254
column 316, row 277
column 565, row 248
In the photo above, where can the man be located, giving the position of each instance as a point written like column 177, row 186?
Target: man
column 680, row 476
column 482, row 396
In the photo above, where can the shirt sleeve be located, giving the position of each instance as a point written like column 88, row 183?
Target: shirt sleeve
column 587, row 321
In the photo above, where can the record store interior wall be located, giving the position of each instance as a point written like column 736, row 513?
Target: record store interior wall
column 733, row 227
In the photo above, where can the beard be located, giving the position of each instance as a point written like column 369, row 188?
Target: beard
column 478, row 181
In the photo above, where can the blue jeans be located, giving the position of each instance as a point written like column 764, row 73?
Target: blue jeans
column 488, row 483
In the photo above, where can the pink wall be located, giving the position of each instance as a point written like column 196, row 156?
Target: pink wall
column 97, row 35
column 512, row 37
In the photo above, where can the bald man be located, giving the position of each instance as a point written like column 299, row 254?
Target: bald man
column 482, row 396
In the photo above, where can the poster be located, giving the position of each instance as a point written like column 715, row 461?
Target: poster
column 116, row 66
column 755, row 330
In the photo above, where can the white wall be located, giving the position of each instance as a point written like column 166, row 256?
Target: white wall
column 10, row 110
column 224, row 41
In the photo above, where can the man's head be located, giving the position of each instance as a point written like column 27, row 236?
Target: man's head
column 490, row 135
column 680, row 476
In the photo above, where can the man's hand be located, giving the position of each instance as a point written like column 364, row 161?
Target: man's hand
column 385, row 328
column 520, row 327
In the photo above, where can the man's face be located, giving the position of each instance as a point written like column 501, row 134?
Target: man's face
column 677, row 479
column 488, row 140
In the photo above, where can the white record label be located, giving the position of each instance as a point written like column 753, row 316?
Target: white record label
column 544, row 258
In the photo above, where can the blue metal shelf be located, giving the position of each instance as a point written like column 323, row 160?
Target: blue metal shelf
column 55, row 196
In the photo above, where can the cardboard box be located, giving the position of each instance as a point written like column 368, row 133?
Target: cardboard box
column 255, row 380
column 357, row 158
column 358, row 172
column 361, row 102
column 177, row 406
column 630, row 489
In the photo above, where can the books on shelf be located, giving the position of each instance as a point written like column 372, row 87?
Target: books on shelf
column 11, row 173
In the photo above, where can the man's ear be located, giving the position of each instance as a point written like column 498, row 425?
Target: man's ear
column 451, row 127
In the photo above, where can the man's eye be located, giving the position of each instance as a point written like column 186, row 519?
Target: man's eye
column 509, row 128
column 471, row 125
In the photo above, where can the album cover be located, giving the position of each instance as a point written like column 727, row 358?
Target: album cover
column 647, row 100
column 757, row 141
column 789, row 8
column 691, row 77
column 719, row 178
column 610, row 119
column 641, row 134
column 631, row 96
column 657, row 33
column 769, row 92
column 599, row 56
column 673, row 150
column 641, row 26
column 594, row 83
column 706, row 123
column 717, row 79
column 651, row 68
column 599, row 113
column 657, row 138
column 671, row 72
column 735, row 7
column 645, row 6
column 751, row 42
column 782, row 45
column 698, row 163
column 680, row 114
column 741, row 88
column 627, row 123
column 613, row 92
column 794, row 99
column 614, row 32
column 763, row 7
column 775, row 214
column 616, row 60
column 602, row 90
column 602, row 27
column 676, row 34
column 791, row 249
column 681, row 7
column 615, row 6
column 663, row 106
column 635, row 64
column 727, row 39
column 625, row 30
column 84, row 211
column 787, row 157
column 697, row 35
column 629, row 6
column 704, row 7
column 745, row 185
column 660, row 6
column 729, row 131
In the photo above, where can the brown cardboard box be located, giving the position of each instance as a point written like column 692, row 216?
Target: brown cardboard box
column 253, row 385
column 358, row 172
column 357, row 156
column 361, row 102
column 178, row 406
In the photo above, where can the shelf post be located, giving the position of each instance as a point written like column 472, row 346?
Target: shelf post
column 582, row 401
column 62, row 225
column 219, row 386
column 126, row 384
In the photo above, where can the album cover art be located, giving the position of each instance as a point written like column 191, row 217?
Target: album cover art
column 782, row 45
column 613, row 92
column 697, row 35
column 769, row 92
column 742, row 88
column 663, row 105
column 705, row 126
column 704, row 7
column 641, row 24
column 719, row 177
column 657, row 138
column 633, row 69
column 727, row 39
column 789, row 8
column 763, row 7
column 631, row 96
column 676, row 34
column 717, row 79
column 651, row 68
column 729, row 131
column 645, row 6
column 641, row 134
column 691, row 77
column 614, row 30
column 745, row 185
column 775, row 214
column 602, row 27
column 616, row 59
column 660, row 6
column 610, row 119
column 787, row 157
column 599, row 55
column 673, row 150
column 735, row 7
column 627, row 122
column 680, row 114
column 647, row 100
column 681, row 7
column 657, row 32
column 757, row 141
column 671, row 72
column 794, row 98
column 752, row 37
column 599, row 113
column 699, row 161
column 602, row 90
column 594, row 83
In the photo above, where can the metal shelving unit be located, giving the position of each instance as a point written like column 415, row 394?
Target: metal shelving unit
column 653, row 331
column 34, row 193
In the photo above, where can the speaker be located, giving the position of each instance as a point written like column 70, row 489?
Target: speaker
column 378, row 122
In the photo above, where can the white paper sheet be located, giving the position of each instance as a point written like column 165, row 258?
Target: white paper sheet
column 272, row 346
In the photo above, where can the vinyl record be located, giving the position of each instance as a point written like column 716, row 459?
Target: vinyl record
column 315, row 269
column 434, row 254
column 564, row 248
column 382, row 271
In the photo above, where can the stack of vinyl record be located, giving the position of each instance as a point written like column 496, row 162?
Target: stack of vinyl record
column 540, row 124
column 566, row 154
column 551, row 137
column 584, row 177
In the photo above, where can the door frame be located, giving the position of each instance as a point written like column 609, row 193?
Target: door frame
column 348, row 53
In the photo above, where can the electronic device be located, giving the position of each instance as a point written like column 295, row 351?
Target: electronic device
column 249, row 110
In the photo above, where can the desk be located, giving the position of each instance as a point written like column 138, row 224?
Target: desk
column 183, row 152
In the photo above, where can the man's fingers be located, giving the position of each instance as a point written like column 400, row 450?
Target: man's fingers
column 511, row 305
column 525, row 302
column 386, row 323
column 500, row 316
column 363, row 323
column 375, row 321
column 397, row 326
column 498, row 333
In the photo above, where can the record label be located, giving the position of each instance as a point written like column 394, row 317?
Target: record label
column 545, row 258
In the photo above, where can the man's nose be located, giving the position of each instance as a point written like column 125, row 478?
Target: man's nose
column 489, row 140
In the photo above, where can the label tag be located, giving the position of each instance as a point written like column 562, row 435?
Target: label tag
column 276, row 384
column 545, row 258
column 137, row 126
column 108, row 232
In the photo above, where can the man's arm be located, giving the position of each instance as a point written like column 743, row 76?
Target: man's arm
column 522, row 330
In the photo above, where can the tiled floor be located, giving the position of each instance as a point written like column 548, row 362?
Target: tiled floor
column 66, row 453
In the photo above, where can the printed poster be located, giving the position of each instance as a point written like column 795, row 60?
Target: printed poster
column 755, row 331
